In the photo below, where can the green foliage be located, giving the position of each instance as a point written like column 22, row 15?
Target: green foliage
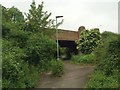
column 12, row 14
column 15, row 16
column 57, row 67
column 83, row 59
column 100, row 80
column 26, row 53
column 16, row 72
column 5, row 29
column 107, row 56
column 111, row 61
column 88, row 41
column 12, row 19
column 106, row 38
column 19, row 37
column 40, row 48
column 37, row 19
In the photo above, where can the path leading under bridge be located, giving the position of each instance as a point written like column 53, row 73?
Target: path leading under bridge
column 75, row 76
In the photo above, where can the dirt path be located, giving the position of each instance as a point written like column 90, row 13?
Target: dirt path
column 75, row 77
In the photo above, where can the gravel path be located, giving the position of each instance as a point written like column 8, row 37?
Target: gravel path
column 75, row 77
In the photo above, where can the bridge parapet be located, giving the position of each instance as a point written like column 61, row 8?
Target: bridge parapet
column 69, row 35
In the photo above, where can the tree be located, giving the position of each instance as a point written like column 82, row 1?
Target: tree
column 12, row 15
column 6, row 24
column 15, row 15
column 88, row 41
column 37, row 19
column 12, row 18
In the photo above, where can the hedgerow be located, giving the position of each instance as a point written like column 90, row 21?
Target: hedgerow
column 27, row 49
column 107, row 55
column 99, row 80
column 57, row 67
column 16, row 72
column 40, row 48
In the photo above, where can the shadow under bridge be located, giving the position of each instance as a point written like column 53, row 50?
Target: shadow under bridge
column 70, row 45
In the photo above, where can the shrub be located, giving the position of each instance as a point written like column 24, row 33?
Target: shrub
column 111, row 62
column 101, row 50
column 40, row 48
column 19, row 37
column 100, row 80
column 88, row 41
column 108, row 61
column 107, row 56
column 16, row 72
column 88, row 58
column 5, row 29
column 57, row 67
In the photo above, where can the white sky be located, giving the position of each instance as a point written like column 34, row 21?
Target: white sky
column 89, row 13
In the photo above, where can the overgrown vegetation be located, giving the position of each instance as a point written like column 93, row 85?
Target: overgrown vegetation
column 83, row 59
column 107, row 55
column 102, row 50
column 40, row 48
column 27, row 49
column 99, row 80
column 57, row 67
column 17, row 72
column 89, row 40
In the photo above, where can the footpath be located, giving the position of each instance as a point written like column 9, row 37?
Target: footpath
column 75, row 76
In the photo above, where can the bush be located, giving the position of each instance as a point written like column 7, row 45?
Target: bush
column 16, row 72
column 100, row 80
column 108, row 61
column 57, row 67
column 107, row 56
column 83, row 59
column 101, row 50
column 5, row 29
column 19, row 37
column 88, row 41
column 112, row 61
column 40, row 48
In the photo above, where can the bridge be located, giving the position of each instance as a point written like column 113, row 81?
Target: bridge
column 67, row 38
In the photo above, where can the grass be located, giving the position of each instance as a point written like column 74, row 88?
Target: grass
column 83, row 59
column 99, row 80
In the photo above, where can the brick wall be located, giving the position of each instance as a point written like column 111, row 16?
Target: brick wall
column 68, row 34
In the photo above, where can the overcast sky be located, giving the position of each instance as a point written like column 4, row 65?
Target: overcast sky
column 101, row 14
